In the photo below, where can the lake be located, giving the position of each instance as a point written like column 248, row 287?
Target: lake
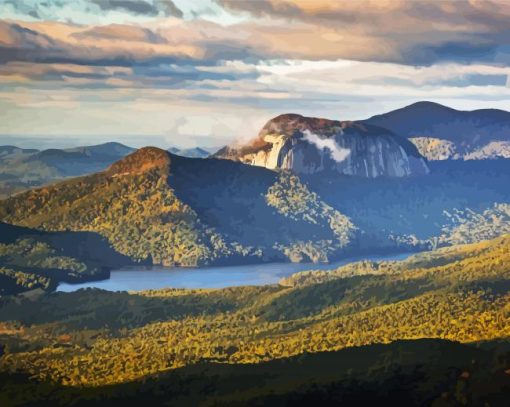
column 138, row 279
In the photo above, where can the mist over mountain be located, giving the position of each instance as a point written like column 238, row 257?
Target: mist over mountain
column 16, row 151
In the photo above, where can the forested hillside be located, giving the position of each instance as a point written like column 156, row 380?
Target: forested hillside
column 93, row 337
column 31, row 259
column 170, row 210
column 458, row 202
column 157, row 208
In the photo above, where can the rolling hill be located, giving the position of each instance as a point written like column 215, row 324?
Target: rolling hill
column 325, row 337
column 32, row 259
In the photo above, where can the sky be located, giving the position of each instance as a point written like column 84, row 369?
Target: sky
column 211, row 72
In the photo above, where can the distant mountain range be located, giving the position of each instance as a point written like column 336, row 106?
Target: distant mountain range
column 368, row 148
column 25, row 168
column 21, row 169
column 195, row 152
column 441, row 132
column 377, row 146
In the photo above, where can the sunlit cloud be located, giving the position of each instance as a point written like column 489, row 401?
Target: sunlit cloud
column 211, row 71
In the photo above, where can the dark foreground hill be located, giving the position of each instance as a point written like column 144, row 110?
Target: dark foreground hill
column 404, row 373
column 354, row 336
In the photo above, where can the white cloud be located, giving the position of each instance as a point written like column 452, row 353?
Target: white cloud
column 337, row 152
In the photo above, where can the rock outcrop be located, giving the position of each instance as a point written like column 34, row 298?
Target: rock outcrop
column 435, row 149
column 308, row 145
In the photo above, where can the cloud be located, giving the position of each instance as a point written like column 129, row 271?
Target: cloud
column 337, row 153
column 80, row 11
column 150, row 8
column 340, row 59
column 412, row 32
column 417, row 33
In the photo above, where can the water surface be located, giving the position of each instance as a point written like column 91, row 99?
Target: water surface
column 138, row 279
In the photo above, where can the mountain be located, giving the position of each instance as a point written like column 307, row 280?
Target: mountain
column 6, row 151
column 21, row 169
column 195, row 152
column 458, row 202
column 441, row 132
column 165, row 209
column 307, row 145
column 81, row 160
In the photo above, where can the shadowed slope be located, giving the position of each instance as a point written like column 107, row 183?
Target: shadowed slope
column 165, row 209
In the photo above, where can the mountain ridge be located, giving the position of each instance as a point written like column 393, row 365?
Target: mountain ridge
column 21, row 169
column 154, row 206
column 193, row 152
column 442, row 132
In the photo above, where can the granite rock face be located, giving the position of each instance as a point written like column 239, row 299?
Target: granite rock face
column 307, row 145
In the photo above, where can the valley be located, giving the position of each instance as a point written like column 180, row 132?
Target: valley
column 153, row 208
column 150, row 278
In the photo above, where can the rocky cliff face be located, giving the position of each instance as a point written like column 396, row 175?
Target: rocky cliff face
column 307, row 145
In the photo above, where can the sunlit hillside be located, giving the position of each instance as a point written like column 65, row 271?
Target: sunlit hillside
column 95, row 338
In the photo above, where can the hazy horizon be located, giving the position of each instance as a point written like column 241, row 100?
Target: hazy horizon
column 207, row 72
column 44, row 141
